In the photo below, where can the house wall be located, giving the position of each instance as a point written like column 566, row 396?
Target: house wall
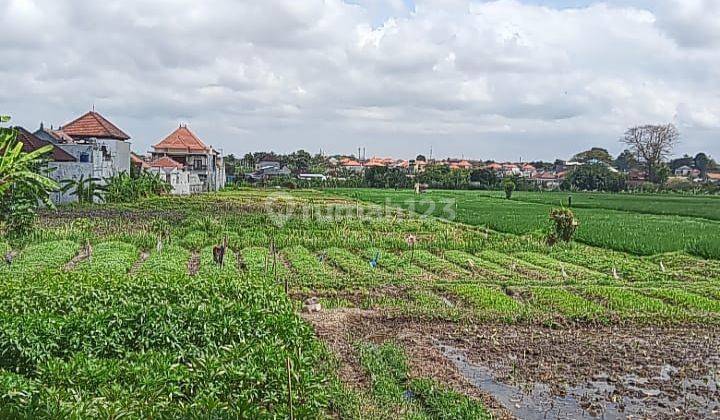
column 212, row 176
column 182, row 182
column 67, row 170
column 119, row 155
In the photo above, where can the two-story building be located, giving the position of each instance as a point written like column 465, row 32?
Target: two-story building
column 99, row 147
column 196, row 158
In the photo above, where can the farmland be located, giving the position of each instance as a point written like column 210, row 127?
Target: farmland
column 638, row 224
column 120, row 310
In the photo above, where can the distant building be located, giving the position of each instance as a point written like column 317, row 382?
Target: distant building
column 182, row 181
column 61, row 164
column 267, row 169
column 185, row 148
column 92, row 129
column 683, row 171
column 713, row 177
column 100, row 149
column 351, row 165
column 312, row 177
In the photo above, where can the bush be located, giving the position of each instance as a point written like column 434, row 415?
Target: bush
column 509, row 187
column 563, row 226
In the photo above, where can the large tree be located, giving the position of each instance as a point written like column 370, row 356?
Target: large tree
column 596, row 153
column 626, row 161
column 702, row 162
column 652, row 144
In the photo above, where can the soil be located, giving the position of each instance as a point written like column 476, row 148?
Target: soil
column 136, row 266
column 613, row 371
column 194, row 263
column 81, row 256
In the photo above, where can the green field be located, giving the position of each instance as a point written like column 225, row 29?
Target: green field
column 140, row 330
column 642, row 224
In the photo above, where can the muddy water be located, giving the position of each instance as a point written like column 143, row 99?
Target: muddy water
column 597, row 398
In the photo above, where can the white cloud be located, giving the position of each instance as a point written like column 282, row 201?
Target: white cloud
column 484, row 79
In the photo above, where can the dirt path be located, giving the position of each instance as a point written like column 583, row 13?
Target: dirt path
column 81, row 256
column 640, row 372
column 136, row 266
column 194, row 263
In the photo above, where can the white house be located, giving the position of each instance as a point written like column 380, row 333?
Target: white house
column 182, row 181
column 183, row 147
column 99, row 147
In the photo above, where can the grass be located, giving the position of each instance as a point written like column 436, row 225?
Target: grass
column 643, row 224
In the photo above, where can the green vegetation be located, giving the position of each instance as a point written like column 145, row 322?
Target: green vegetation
column 23, row 184
column 639, row 224
column 393, row 393
column 108, row 318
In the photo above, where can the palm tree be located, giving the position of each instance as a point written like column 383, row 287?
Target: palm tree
column 87, row 190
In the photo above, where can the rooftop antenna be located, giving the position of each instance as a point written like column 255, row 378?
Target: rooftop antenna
column 431, row 152
column 93, row 107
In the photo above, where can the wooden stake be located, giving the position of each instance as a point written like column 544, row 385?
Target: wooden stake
column 290, row 403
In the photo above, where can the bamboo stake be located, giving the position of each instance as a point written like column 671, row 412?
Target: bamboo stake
column 290, row 403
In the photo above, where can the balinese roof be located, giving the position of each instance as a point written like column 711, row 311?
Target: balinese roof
column 31, row 143
column 182, row 139
column 137, row 160
column 93, row 124
column 58, row 135
column 166, row 163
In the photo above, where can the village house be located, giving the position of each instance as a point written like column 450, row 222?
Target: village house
column 183, row 147
column 100, row 149
column 713, row 177
column 267, row 169
column 549, row 180
column 683, row 171
column 181, row 181
column 527, row 170
column 351, row 165
column 61, row 164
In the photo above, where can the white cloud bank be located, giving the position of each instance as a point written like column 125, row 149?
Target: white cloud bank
column 497, row 79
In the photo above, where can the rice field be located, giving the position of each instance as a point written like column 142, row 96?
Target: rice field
column 637, row 224
column 122, row 311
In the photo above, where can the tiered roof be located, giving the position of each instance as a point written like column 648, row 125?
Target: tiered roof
column 182, row 139
column 95, row 125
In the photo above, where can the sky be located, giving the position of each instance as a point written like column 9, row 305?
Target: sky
column 505, row 80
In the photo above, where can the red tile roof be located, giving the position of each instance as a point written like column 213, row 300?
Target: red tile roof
column 31, row 143
column 166, row 163
column 138, row 161
column 182, row 139
column 93, row 124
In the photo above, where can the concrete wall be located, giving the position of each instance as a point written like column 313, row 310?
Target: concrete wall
column 67, row 170
column 182, row 182
column 119, row 155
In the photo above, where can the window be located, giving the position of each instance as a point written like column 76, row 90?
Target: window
column 84, row 157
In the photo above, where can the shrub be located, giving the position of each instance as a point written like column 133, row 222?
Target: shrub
column 563, row 227
column 509, row 187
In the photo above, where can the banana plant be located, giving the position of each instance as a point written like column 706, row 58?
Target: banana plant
column 19, row 169
column 23, row 185
column 87, row 190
